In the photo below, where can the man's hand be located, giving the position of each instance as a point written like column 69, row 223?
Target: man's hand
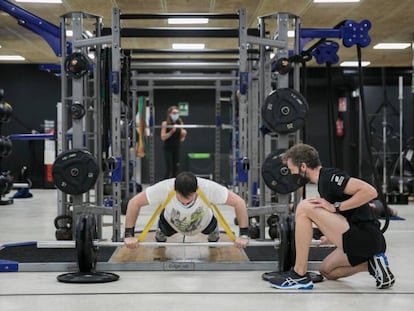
column 241, row 242
column 319, row 202
column 131, row 242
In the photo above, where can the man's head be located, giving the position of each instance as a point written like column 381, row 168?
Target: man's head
column 186, row 184
column 301, row 154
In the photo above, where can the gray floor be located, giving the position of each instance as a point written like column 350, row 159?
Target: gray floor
column 32, row 220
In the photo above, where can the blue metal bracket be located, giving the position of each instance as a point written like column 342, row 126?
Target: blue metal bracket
column 325, row 51
column 350, row 32
column 51, row 33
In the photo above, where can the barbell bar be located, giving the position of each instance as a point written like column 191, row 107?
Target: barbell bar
column 72, row 244
column 193, row 126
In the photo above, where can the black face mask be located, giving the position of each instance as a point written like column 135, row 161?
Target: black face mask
column 300, row 180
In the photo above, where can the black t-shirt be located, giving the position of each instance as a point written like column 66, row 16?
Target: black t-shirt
column 331, row 186
column 173, row 142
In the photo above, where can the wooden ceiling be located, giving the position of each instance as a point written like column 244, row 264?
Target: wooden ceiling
column 392, row 21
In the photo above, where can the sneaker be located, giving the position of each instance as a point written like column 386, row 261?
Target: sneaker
column 160, row 236
column 315, row 277
column 214, row 236
column 378, row 267
column 291, row 280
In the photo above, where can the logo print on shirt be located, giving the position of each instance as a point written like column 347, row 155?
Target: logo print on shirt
column 337, row 179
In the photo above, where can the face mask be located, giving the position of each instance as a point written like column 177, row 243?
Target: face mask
column 188, row 205
column 174, row 117
column 300, row 179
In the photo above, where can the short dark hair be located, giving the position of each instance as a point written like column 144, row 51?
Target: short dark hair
column 302, row 153
column 185, row 183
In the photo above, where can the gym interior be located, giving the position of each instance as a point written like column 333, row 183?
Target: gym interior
column 84, row 88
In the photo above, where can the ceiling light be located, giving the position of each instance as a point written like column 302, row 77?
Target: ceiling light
column 392, row 46
column 40, row 1
column 188, row 46
column 11, row 57
column 335, row 1
column 175, row 21
column 354, row 64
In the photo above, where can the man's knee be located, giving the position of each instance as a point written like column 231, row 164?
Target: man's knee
column 304, row 207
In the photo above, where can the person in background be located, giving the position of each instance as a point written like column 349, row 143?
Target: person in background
column 172, row 138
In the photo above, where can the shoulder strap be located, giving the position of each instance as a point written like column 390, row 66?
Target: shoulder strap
column 155, row 215
column 218, row 214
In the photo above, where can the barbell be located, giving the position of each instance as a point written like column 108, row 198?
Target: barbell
column 96, row 243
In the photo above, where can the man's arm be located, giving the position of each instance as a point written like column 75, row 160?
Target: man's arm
column 361, row 192
column 134, row 205
column 240, row 209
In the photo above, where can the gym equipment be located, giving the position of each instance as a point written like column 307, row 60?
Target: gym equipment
column 326, row 52
column 6, row 183
column 284, row 111
column 75, row 171
column 77, row 111
column 272, row 222
column 282, row 66
column 276, row 174
column 76, row 65
column 6, row 112
column 87, row 255
column 6, row 147
column 63, row 225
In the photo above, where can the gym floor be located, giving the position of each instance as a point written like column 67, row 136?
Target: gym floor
column 32, row 220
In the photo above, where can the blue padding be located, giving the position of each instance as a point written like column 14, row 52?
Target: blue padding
column 19, row 244
column 41, row 136
column 117, row 172
column 9, row 266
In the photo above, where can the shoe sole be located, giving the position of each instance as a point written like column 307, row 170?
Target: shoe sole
column 383, row 275
column 296, row 286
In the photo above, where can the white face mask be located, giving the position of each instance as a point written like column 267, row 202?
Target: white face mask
column 186, row 206
column 174, row 117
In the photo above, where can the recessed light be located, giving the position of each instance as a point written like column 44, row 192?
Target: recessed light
column 188, row 46
column 12, row 57
column 40, row 1
column 392, row 46
column 335, row 1
column 355, row 64
column 175, row 21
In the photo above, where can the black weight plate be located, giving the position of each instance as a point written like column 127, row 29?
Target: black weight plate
column 284, row 111
column 86, row 251
column 276, row 174
column 284, row 249
column 75, row 171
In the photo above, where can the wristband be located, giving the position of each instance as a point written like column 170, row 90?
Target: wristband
column 129, row 232
column 243, row 231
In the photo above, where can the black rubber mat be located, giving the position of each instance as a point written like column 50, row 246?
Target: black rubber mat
column 29, row 253
column 269, row 253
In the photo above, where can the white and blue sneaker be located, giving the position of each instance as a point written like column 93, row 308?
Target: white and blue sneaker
column 379, row 268
column 291, row 280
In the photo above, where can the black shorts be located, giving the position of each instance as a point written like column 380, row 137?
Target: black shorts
column 166, row 228
column 362, row 241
